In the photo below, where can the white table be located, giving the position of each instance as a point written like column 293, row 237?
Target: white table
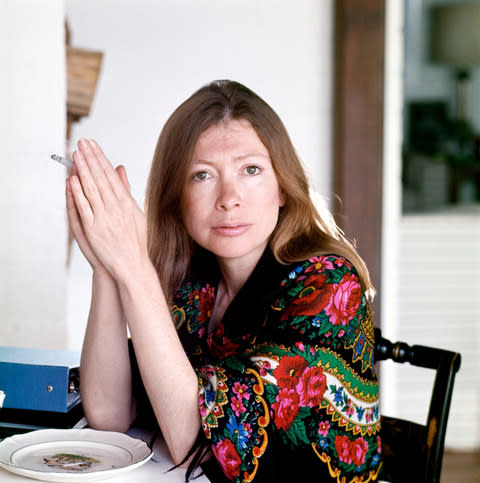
column 155, row 470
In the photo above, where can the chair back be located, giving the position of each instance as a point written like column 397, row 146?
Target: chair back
column 413, row 452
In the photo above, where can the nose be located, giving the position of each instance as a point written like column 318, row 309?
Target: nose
column 229, row 194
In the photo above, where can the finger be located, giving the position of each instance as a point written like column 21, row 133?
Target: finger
column 81, row 201
column 98, row 169
column 72, row 213
column 86, row 180
column 112, row 175
column 122, row 173
column 70, row 202
column 76, row 228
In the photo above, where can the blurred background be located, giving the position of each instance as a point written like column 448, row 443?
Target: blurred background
column 383, row 111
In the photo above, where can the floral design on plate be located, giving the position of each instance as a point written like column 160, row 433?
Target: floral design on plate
column 70, row 462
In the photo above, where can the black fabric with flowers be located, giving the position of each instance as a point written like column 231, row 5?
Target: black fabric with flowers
column 287, row 387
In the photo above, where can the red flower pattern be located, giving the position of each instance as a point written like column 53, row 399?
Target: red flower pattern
column 206, row 299
column 289, row 370
column 358, row 450
column 311, row 386
column 313, row 301
column 346, row 299
column 342, row 445
column 323, row 289
column 351, row 451
column 219, row 344
column 228, row 458
column 285, row 408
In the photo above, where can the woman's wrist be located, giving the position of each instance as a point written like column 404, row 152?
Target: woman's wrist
column 127, row 274
column 101, row 274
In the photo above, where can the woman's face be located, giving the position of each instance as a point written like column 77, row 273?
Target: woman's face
column 232, row 197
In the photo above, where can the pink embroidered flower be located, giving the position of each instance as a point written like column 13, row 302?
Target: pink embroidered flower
column 206, row 372
column 237, row 406
column 202, row 406
column 342, row 445
column 379, row 444
column 358, row 450
column 285, row 408
column 241, row 390
column 311, row 386
column 350, row 409
column 347, row 296
column 340, row 262
column 288, row 372
column 228, row 458
column 263, row 366
column 323, row 428
column 300, row 346
column 319, row 264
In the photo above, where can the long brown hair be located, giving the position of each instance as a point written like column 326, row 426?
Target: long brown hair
column 301, row 231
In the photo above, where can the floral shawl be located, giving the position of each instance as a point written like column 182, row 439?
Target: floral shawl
column 287, row 387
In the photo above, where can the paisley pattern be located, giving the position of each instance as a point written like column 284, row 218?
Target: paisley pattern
column 295, row 372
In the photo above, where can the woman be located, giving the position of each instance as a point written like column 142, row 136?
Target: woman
column 268, row 364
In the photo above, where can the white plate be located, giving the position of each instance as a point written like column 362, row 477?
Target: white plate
column 69, row 455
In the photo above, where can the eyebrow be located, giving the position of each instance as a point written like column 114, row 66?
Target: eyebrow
column 237, row 158
column 252, row 155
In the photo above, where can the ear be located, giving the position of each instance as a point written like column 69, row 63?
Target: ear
column 282, row 197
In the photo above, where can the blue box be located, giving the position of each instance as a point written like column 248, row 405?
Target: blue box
column 39, row 379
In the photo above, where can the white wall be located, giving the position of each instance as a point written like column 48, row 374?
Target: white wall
column 158, row 53
column 439, row 295
column 32, row 217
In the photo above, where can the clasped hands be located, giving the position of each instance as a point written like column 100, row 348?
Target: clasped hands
column 106, row 221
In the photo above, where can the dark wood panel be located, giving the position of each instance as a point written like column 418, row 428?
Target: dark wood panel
column 358, row 126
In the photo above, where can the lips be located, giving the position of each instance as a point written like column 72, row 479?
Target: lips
column 234, row 229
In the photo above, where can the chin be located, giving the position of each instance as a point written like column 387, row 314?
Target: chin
column 231, row 252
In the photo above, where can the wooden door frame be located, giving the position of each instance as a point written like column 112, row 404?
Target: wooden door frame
column 358, row 127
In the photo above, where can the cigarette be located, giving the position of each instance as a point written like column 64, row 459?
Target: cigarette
column 66, row 162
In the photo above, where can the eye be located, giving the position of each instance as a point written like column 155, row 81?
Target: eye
column 200, row 175
column 252, row 170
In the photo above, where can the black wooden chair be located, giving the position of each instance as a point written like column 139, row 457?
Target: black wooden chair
column 413, row 452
